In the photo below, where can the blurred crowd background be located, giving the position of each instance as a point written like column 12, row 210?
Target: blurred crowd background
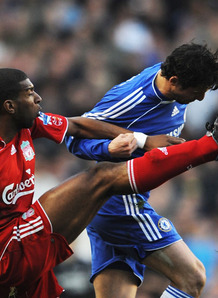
column 74, row 51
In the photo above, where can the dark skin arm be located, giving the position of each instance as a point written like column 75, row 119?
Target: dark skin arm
column 121, row 146
column 161, row 141
column 81, row 127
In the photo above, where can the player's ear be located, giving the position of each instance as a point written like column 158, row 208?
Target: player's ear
column 9, row 106
column 174, row 80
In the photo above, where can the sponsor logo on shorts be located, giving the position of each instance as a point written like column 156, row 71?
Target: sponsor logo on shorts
column 164, row 224
column 29, row 213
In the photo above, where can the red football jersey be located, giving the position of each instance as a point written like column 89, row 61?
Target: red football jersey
column 17, row 165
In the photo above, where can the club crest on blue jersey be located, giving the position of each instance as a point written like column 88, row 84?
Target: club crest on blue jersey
column 164, row 224
column 27, row 150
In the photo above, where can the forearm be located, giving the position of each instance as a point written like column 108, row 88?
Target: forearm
column 82, row 127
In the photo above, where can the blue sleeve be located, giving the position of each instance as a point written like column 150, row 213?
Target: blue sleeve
column 91, row 149
column 115, row 107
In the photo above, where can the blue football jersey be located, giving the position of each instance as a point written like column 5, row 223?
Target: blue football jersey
column 138, row 105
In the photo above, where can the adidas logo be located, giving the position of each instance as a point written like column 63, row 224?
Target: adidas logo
column 28, row 171
column 163, row 149
column 175, row 111
column 13, row 150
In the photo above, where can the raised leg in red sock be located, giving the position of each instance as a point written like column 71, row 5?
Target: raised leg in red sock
column 161, row 164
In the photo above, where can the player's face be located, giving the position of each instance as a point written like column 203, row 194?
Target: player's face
column 27, row 105
column 185, row 96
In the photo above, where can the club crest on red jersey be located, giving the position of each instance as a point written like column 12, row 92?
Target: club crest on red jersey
column 56, row 120
column 27, row 150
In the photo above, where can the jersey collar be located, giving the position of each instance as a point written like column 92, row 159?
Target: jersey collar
column 2, row 144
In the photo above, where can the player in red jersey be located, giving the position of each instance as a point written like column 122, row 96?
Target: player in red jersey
column 34, row 237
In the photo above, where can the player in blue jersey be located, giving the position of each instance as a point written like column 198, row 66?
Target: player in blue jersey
column 127, row 234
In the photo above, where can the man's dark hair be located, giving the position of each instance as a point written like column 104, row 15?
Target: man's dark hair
column 194, row 65
column 9, row 83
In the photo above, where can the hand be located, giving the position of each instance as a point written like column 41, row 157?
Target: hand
column 122, row 146
column 161, row 141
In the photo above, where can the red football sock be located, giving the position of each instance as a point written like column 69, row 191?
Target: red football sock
column 161, row 164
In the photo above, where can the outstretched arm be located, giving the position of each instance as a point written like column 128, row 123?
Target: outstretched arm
column 122, row 146
column 81, row 127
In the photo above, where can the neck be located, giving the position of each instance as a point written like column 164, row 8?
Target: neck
column 7, row 130
column 162, row 85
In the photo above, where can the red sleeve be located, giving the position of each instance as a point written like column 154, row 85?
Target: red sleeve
column 50, row 126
